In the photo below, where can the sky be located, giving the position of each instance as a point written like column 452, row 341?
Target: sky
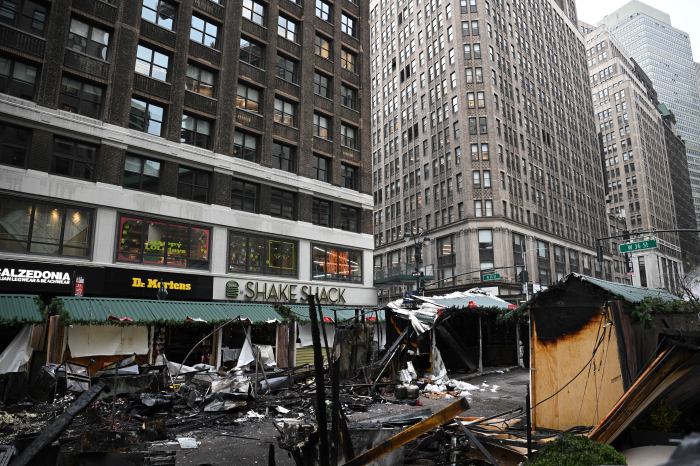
column 685, row 15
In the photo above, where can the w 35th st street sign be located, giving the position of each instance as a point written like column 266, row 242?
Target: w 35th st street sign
column 638, row 246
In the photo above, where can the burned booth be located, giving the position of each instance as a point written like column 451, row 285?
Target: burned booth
column 22, row 328
column 96, row 332
column 590, row 341
column 462, row 330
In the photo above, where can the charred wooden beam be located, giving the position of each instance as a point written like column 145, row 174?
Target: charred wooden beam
column 436, row 420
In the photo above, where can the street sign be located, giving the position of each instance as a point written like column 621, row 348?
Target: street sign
column 489, row 277
column 638, row 246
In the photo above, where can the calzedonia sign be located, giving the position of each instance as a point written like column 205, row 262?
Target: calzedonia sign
column 52, row 277
column 283, row 292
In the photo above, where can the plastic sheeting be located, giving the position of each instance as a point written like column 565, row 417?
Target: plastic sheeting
column 107, row 340
column 18, row 352
column 304, row 337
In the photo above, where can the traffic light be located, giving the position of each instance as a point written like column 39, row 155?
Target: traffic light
column 522, row 276
column 599, row 252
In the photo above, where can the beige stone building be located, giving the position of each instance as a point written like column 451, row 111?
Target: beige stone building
column 484, row 141
column 637, row 171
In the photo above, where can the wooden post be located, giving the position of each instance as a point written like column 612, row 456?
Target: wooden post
column 320, row 384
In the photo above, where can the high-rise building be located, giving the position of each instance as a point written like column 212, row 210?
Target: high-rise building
column 636, row 161
column 682, row 194
column 216, row 145
column 665, row 55
column 484, row 141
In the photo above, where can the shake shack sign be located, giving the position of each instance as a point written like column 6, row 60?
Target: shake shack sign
column 283, row 292
column 40, row 276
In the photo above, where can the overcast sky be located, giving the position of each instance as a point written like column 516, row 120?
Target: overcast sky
column 685, row 15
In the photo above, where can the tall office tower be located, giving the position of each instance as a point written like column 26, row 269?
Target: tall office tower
column 638, row 177
column 665, row 55
column 484, row 141
column 682, row 194
column 219, row 146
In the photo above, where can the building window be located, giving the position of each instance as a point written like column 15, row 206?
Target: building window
column 80, row 97
column 285, row 112
column 245, row 146
column 338, row 264
column 195, row 131
column 485, row 249
column 14, row 143
column 321, row 167
column 559, row 263
column 283, row 157
column 476, row 178
column 321, row 212
column 573, row 261
column 283, row 204
column 322, row 85
column 519, row 254
column 348, row 25
column 203, row 32
column 88, row 39
column 248, row 98
column 287, row 28
column 151, row 63
column 487, row 178
column 17, row 78
column 288, row 69
column 251, row 52
column 484, row 151
column 44, row 228
column 348, row 60
column 322, row 47
column 349, row 218
column 147, row 117
column 73, row 158
column 244, row 196
column 141, row 173
column 248, row 253
column 349, row 136
column 323, row 10
column 488, row 208
column 322, row 126
column 543, row 268
column 200, row 81
column 158, row 242
column 254, row 11
column 159, row 12
column 193, row 184
column 26, row 15
column 349, row 97
column 350, row 176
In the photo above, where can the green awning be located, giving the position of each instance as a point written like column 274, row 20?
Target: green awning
column 148, row 311
column 17, row 309
column 301, row 312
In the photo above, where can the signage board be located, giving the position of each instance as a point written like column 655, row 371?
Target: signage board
column 39, row 278
column 638, row 246
column 144, row 284
column 489, row 277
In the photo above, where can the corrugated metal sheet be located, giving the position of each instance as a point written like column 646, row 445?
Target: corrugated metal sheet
column 20, row 309
column 629, row 293
column 146, row 311
column 459, row 302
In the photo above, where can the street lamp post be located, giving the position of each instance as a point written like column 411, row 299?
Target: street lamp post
column 418, row 239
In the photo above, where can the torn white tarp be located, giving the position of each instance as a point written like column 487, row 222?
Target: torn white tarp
column 247, row 356
column 304, row 338
column 439, row 374
column 18, row 352
column 267, row 356
column 107, row 340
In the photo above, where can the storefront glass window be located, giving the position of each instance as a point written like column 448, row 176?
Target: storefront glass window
column 262, row 255
column 28, row 226
column 331, row 263
column 156, row 242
